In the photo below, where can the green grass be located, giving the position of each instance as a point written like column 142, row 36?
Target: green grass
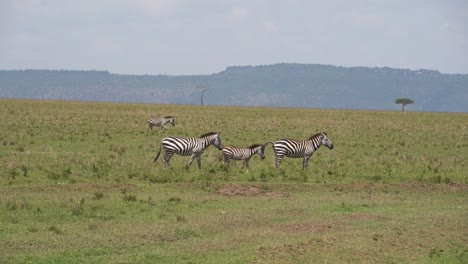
column 78, row 184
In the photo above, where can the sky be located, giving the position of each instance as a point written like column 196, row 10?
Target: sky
column 191, row 37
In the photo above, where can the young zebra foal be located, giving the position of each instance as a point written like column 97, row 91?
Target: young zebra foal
column 188, row 146
column 160, row 121
column 300, row 148
column 237, row 153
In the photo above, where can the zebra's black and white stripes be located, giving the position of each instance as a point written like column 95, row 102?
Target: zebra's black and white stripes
column 237, row 153
column 300, row 148
column 160, row 121
column 188, row 146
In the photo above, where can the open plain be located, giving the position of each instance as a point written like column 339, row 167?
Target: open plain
column 78, row 185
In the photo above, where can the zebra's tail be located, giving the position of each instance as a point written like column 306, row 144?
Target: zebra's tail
column 157, row 156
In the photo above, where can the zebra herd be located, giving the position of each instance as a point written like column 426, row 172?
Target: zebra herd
column 195, row 146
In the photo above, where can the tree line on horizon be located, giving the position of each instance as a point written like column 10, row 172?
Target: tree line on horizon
column 278, row 85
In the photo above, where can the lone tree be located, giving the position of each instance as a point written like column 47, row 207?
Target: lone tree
column 203, row 90
column 404, row 102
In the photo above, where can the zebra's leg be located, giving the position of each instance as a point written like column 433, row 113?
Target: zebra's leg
column 246, row 163
column 226, row 158
column 305, row 162
column 278, row 161
column 192, row 158
column 199, row 161
column 167, row 158
column 227, row 161
column 198, row 156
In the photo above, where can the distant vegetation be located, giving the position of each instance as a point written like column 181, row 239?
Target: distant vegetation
column 279, row 85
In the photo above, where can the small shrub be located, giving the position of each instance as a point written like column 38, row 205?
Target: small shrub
column 77, row 207
column 160, row 179
column 10, row 205
column 25, row 170
column 174, row 200
column 447, row 180
column 66, row 172
column 132, row 174
column 13, row 173
column 263, row 176
column 130, row 198
column 437, row 179
column 376, row 178
column 435, row 253
column 186, row 233
column 55, row 230
column 98, row 195
column 33, row 229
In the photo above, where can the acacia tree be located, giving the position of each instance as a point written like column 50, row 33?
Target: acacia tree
column 404, row 102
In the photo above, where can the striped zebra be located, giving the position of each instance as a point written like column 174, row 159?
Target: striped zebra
column 237, row 153
column 300, row 148
column 188, row 146
column 160, row 121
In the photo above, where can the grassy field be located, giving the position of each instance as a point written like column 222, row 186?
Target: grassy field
column 78, row 185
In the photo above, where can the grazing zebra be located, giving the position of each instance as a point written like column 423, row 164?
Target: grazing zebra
column 300, row 148
column 160, row 121
column 188, row 146
column 237, row 153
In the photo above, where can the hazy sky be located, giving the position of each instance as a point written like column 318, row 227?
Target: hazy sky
column 205, row 36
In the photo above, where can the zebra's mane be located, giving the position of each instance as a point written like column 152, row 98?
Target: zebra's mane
column 254, row 146
column 168, row 117
column 317, row 135
column 208, row 134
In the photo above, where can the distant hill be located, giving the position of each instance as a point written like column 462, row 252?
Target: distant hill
column 278, row 85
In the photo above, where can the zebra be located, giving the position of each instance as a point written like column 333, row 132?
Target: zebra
column 237, row 153
column 188, row 146
column 300, row 148
column 160, row 121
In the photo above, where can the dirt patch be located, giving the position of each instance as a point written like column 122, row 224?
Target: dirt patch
column 91, row 186
column 76, row 187
column 413, row 186
column 306, row 227
column 248, row 190
column 362, row 217
column 458, row 187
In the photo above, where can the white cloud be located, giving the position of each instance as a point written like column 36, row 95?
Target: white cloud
column 271, row 27
column 238, row 12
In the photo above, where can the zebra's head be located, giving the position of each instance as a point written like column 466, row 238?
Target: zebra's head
column 262, row 151
column 326, row 141
column 259, row 149
column 213, row 138
column 217, row 142
column 171, row 120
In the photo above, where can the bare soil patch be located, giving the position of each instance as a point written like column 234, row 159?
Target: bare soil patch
column 248, row 190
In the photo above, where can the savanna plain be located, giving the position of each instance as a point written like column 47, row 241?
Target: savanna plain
column 78, row 185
